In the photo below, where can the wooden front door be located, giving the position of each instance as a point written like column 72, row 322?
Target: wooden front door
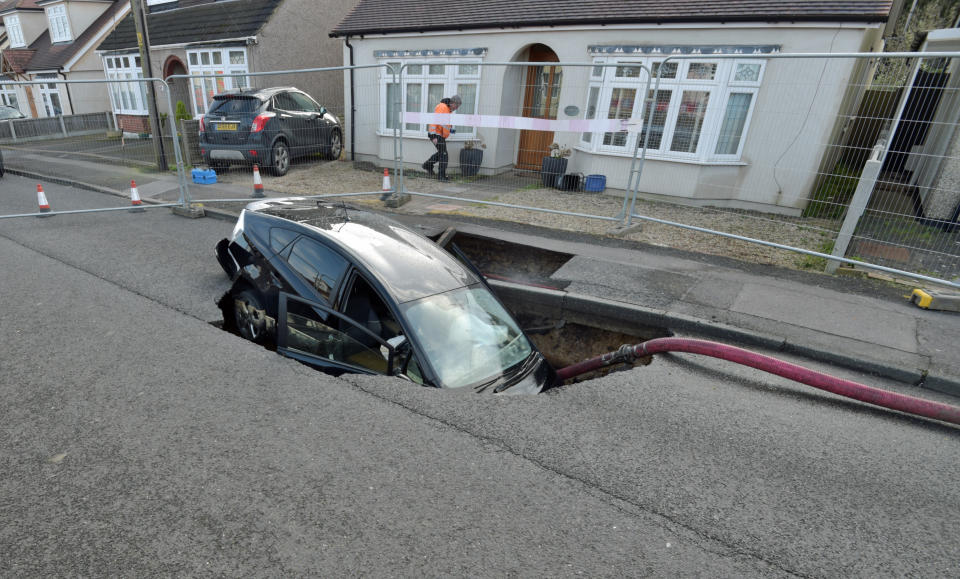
column 540, row 101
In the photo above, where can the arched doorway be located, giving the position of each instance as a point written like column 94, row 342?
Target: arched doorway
column 541, row 97
column 179, row 87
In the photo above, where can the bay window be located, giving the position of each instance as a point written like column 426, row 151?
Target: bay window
column 700, row 111
column 8, row 95
column 216, row 61
column 50, row 96
column 129, row 98
column 424, row 83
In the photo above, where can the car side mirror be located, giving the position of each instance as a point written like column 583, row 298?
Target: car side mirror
column 401, row 353
column 323, row 111
column 399, row 343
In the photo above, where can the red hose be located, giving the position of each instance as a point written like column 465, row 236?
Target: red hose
column 848, row 388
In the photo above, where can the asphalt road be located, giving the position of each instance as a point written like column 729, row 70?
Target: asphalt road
column 139, row 439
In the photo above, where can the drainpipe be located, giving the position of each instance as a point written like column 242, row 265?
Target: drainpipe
column 353, row 106
column 67, row 86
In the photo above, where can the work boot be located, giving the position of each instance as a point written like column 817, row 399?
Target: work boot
column 443, row 178
column 428, row 167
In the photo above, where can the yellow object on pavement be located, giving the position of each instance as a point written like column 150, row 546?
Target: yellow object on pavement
column 931, row 300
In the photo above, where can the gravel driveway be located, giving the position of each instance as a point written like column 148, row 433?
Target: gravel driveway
column 345, row 177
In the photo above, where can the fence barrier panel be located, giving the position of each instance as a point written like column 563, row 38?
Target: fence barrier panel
column 765, row 150
column 726, row 153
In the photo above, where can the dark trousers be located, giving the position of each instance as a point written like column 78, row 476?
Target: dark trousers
column 441, row 157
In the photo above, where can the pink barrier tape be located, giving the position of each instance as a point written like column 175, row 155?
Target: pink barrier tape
column 526, row 123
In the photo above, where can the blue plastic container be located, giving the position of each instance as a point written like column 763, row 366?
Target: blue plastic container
column 204, row 176
column 595, row 183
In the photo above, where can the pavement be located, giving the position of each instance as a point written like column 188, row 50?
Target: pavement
column 865, row 324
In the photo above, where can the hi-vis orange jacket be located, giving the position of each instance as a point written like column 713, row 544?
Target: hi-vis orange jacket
column 442, row 130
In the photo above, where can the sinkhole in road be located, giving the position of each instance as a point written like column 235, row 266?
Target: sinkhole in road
column 565, row 339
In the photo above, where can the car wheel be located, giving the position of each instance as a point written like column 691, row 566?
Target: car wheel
column 335, row 147
column 280, row 158
column 249, row 316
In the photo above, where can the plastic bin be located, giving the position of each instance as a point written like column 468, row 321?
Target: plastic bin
column 595, row 183
column 204, row 176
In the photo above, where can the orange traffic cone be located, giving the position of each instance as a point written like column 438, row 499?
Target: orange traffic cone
column 386, row 180
column 135, row 202
column 42, row 201
column 257, row 183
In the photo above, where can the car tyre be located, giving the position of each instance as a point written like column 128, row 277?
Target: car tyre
column 335, row 148
column 249, row 316
column 280, row 158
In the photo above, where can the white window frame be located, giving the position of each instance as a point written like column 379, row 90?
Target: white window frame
column 719, row 88
column 127, row 98
column 8, row 96
column 214, row 61
column 48, row 91
column 452, row 80
column 14, row 31
column 59, row 23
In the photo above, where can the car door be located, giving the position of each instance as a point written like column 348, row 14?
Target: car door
column 315, row 334
column 292, row 122
column 315, row 133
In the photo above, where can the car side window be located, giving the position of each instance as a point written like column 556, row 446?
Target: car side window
column 304, row 103
column 280, row 238
column 364, row 306
column 318, row 264
column 283, row 102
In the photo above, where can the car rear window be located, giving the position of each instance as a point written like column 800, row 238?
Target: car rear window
column 234, row 105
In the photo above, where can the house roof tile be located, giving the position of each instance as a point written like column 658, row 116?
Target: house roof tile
column 49, row 56
column 204, row 22
column 11, row 5
column 15, row 60
column 392, row 16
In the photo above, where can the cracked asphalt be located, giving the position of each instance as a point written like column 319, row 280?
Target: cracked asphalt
column 139, row 439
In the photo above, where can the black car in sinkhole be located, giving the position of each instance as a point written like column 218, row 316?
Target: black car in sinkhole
column 348, row 290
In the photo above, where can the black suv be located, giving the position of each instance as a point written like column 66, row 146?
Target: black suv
column 348, row 290
column 269, row 127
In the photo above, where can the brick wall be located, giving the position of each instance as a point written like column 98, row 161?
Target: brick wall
column 133, row 123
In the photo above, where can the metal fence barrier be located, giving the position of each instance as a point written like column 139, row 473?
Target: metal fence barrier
column 764, row 150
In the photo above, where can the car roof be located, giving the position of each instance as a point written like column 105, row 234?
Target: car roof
column 261, row 93
column 408, row 265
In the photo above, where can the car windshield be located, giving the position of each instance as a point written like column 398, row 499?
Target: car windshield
column 233, row 105
column 467, row 336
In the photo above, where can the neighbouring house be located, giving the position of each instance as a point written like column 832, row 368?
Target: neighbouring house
column 54, row 40
column 708, row 142
column 234, row 37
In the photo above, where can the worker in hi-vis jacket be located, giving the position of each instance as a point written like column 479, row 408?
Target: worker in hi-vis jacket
column 438, row 136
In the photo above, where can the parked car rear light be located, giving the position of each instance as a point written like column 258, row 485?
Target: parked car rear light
column 261, row 121
column 253, row 152
column 202, row 128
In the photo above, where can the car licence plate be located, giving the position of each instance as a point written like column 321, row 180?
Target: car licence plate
column 226, row 126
